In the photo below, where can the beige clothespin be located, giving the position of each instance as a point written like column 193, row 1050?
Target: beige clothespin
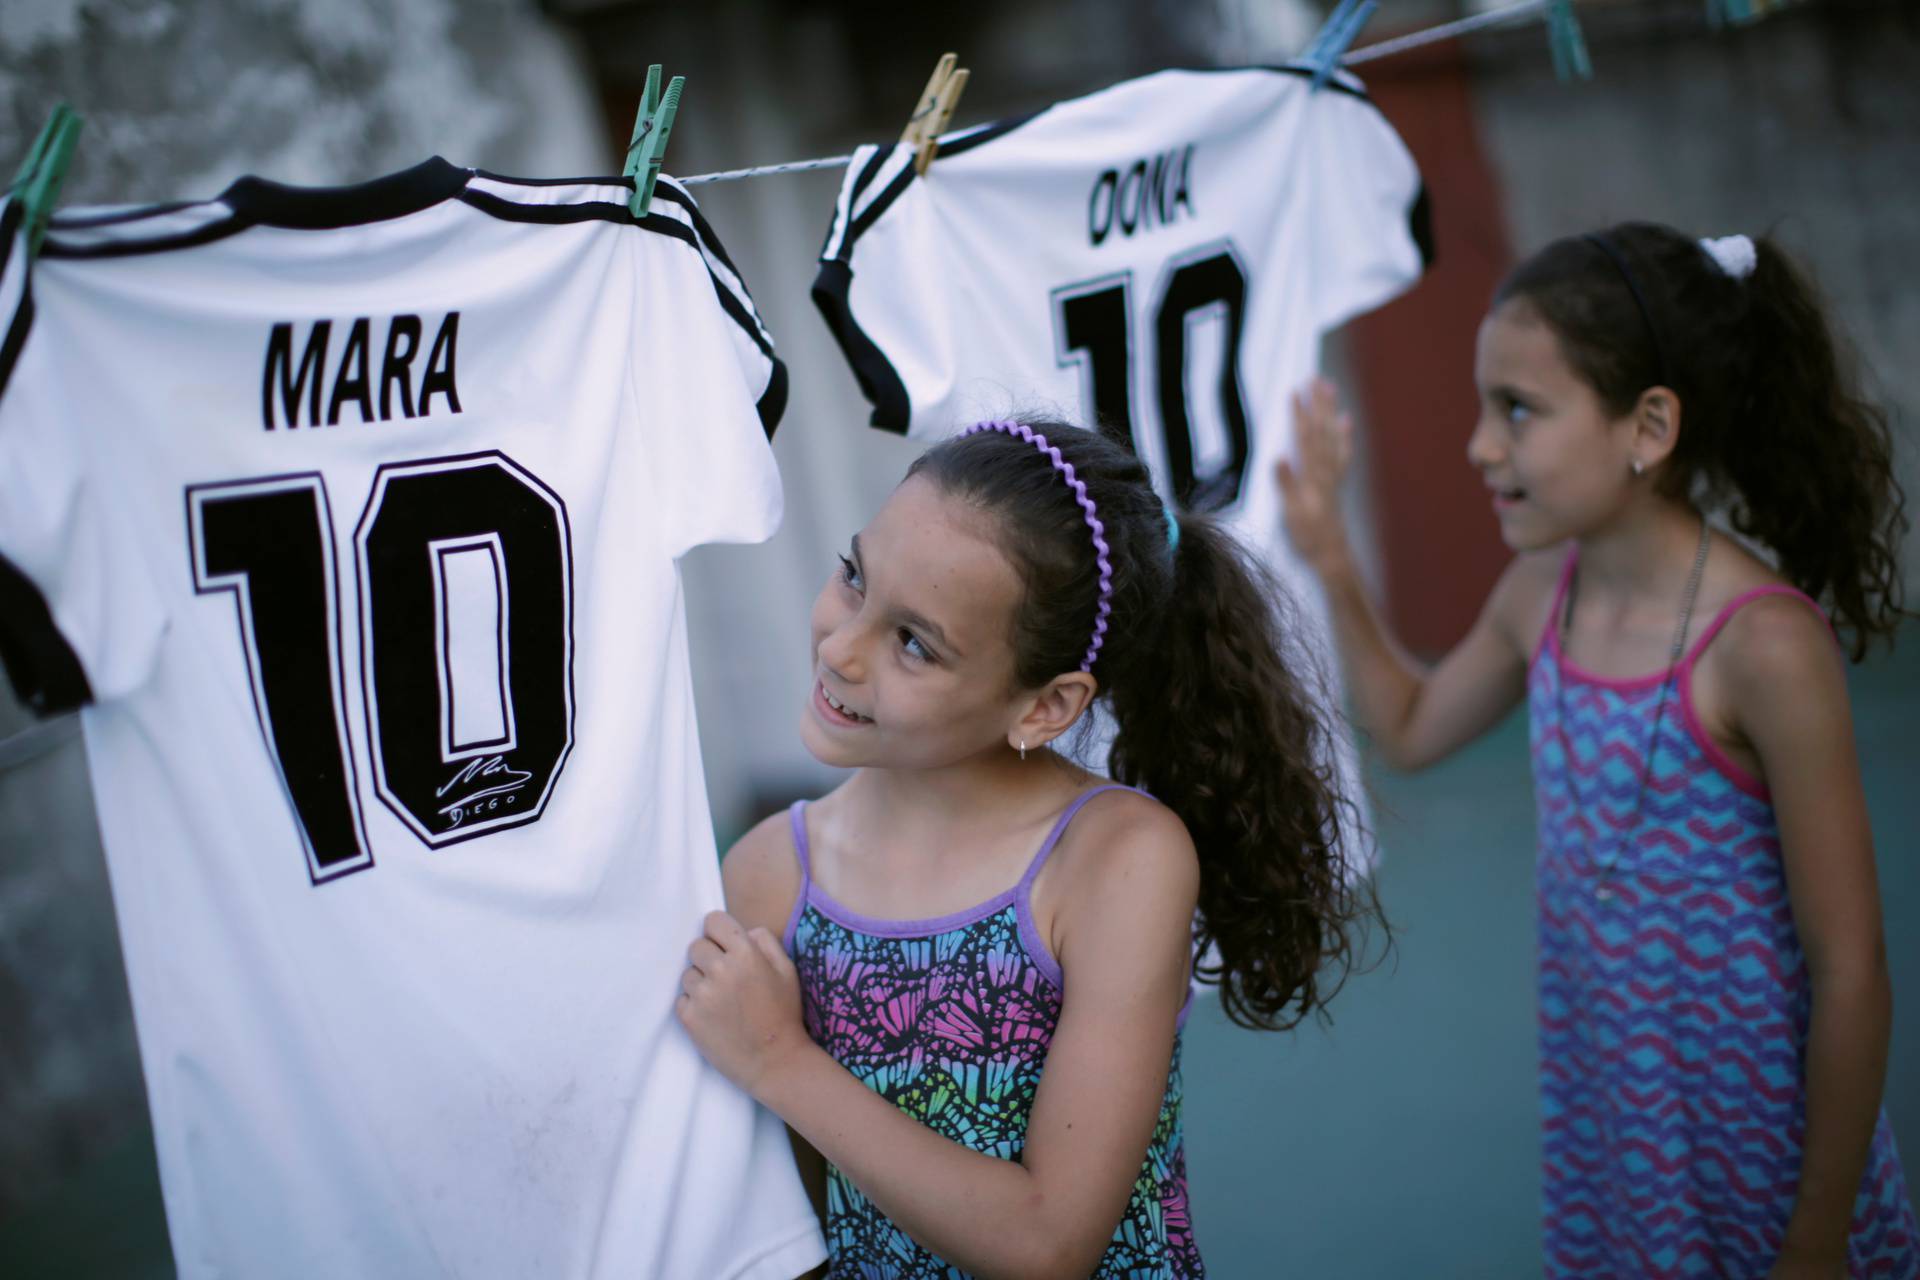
column 934, row 110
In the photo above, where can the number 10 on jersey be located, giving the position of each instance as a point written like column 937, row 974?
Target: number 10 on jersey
column 1095, row 327
column 463, row 579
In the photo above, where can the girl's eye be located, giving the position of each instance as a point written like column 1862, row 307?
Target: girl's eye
column 1518, row 413
column 910, row 644
column 850, row 575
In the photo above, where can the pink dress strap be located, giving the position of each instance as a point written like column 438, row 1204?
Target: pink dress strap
column 1741, row 777
column 1559, row 601
column 1739, row 602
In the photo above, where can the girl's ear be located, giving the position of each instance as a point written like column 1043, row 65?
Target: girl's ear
column 1054, row 709
column 1656, row 427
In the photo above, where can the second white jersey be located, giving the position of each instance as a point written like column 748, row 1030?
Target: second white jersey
column 354, row 516
column 1160, row 258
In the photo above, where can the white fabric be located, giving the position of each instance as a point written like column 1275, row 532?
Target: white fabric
column 950, row 293
column 1734, row 255
column 443, row 1043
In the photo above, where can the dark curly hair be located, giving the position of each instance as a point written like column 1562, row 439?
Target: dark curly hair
column 1773, row 421
column 1215, row 713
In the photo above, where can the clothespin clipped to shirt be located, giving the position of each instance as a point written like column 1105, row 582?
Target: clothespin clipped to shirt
column 1335, row 37
column 1569, row 47
column 650, row 130
column 37, row 185
column 934, row 110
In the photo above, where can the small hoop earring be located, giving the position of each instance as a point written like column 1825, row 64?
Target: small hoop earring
column 1023, row 748
column 1639, row 467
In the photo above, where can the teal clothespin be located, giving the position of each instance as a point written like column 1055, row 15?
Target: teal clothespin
column 650, row 130
column 1335, row 37
column 1569, row 47
column 37, row 185
column 1723, row 13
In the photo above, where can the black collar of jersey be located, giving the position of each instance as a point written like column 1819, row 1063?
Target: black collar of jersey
column 274, row 204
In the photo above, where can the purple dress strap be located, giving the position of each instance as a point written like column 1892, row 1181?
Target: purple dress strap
column 1060, row 829
column 1036, row 945
column 797, row 819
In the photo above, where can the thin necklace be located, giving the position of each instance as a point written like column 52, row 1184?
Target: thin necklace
column 1606, row 866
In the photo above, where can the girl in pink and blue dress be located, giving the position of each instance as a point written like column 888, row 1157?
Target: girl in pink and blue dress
column 961, row 977
column 1714, row 1004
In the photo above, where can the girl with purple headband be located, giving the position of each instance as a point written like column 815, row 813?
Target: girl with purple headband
column 961, row 977
column 1714, row 1009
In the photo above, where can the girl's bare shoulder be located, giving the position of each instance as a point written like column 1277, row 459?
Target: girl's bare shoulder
column 1523, row 594
column 1125, row 842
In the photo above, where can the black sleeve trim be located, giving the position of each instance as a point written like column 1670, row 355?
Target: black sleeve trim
column 53, row 248
column 1420, row 226
column 43, row 667
column 9, row 223
column 22, row 318
column 879, row 380
column 604, row 211
column 555, row 215
column 773, row 401
column 861, row 181
column 865, row 178
column 609, row 180
column 16, row 337
column 701, row 226
column 983, row 135
column 876, row 207
column 88, row 221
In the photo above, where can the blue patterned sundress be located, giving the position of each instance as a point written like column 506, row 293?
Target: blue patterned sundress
column 1674, row 996
column 949, row 1019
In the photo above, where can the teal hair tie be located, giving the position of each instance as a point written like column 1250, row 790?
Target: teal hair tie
column 1173, row 528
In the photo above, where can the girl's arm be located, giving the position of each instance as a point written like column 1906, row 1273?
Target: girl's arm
column 1124, row 941
column 1415, row 716
column 1785, row 681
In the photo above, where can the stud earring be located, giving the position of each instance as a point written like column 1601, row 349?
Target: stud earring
column 1639, row 467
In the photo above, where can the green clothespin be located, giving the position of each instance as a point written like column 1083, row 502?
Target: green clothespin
column 1569, row 47
column 650, row 130
column 37, row 185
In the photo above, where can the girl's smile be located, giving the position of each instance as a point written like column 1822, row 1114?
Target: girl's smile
column 834, row 711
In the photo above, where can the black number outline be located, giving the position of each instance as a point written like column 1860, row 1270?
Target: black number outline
column 363, row 590
column 206, row 582
column 1218, row 493
column 1122, row 426
column 439, row 548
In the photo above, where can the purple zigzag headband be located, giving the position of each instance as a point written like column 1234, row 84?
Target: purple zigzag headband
column 1079, row 487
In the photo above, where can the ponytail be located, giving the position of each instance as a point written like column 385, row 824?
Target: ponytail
column 1812, row 472
column 1230, row 735
column 1215, row 713
column 1774, row 426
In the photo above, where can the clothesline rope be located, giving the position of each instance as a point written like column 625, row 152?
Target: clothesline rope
column 20, row 747
column 1369, row 53
column 1445, row 31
